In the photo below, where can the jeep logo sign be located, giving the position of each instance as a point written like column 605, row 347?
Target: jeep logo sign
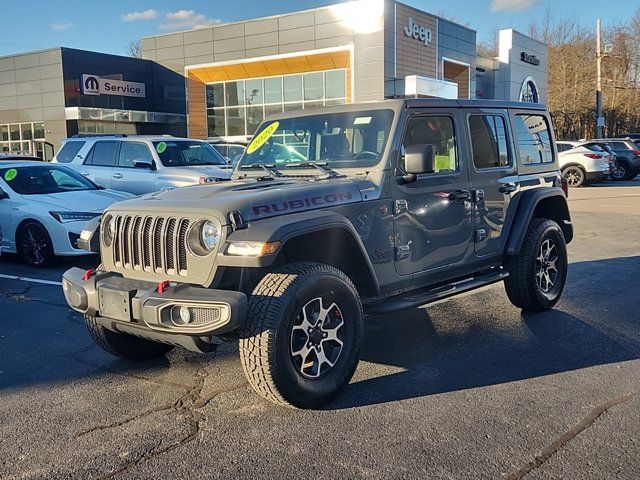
column 94, row 85
column 418, row 32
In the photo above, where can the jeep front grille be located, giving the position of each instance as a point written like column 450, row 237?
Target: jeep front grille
column 151, row 244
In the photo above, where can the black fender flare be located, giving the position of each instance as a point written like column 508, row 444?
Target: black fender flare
column 286, row 228
column 526, row 206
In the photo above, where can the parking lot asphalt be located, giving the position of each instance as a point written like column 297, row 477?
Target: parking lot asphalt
column 469, row 388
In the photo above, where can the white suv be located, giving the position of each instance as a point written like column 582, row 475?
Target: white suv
column 583, row 163
column 143, row 164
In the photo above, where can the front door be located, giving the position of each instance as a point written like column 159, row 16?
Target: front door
column 99, row 162
column 493, row 177
column 433, row 214
column 129, row 178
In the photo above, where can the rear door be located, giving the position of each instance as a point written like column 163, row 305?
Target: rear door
column 127, row 177
column 99, row 163
column 493, row 177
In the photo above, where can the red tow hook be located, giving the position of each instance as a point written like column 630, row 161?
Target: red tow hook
column 162, row 286
column 88, row 274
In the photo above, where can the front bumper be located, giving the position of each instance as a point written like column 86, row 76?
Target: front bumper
column 136, row 307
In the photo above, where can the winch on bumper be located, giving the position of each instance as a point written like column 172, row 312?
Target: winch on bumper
column 179, row 314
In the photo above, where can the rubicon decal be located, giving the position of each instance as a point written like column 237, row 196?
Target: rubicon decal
column 310, row 202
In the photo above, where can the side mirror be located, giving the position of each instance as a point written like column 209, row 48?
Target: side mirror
column 144, row 163
column 420, row 159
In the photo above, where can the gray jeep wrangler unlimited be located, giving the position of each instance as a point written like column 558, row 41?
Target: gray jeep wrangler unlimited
column 332, row 214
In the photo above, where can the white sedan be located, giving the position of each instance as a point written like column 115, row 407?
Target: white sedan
column 43, row 208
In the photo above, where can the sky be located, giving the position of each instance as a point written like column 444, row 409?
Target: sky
column 109, row 26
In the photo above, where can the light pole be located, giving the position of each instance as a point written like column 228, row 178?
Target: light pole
column 599, row 118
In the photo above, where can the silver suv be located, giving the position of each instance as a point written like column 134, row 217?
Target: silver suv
column 142, row 164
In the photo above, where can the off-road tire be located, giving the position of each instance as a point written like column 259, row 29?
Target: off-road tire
column 123, row 345
column 521, row 285
column 274, row 306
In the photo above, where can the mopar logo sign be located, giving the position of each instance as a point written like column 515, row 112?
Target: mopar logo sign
column 94, row 85
column 90, row 85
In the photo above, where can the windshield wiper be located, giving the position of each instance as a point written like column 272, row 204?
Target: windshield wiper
column 269, row 169
column 327, row 173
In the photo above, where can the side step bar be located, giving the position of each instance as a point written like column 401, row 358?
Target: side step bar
column 418, row 298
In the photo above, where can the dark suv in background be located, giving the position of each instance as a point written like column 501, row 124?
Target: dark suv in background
column 627, row 157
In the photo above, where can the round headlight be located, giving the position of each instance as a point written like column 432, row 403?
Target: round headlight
column 109, row 231
column 209, row 235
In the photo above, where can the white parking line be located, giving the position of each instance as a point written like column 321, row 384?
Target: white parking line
column 32, row 280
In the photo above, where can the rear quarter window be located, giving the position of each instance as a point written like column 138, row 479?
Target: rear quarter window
column 69, row 151
column 533, row 137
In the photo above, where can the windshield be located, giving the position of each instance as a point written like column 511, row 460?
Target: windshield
column 35, row 180
column 180, row 153
column 338, row 140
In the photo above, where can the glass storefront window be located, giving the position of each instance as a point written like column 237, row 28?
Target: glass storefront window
column 235, row 122
column 4, row 133
column 216, row 123
column 27, row 133
column 38, row 130
column 313, row 86
column 335, row 84
column 236, row 108
column 254, row 92
column 14, row 132
column 273, row 90
column 293, row 88
column 215, row 95
column 234, row 93
column 254, row 119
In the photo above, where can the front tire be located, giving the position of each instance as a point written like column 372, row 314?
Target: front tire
column 301, row 343
column 34, row 245
column 123, row 345
column 537, row 274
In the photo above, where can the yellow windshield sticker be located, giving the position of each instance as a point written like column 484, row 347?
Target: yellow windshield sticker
column 10, row 174
column 262, row 137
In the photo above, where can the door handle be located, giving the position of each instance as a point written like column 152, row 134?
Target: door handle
column 460, row 195
column 508, row 188
column 86, row 174
column 117, row 175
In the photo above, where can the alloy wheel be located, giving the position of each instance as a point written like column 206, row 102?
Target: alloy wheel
column 619, row 173
column 547, row 266
column 33, row 245
column 573, row 176
column 317, row 338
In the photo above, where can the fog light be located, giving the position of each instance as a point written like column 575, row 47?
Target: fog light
column 181, row 316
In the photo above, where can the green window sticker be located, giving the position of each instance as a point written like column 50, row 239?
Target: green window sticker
column 10, row 174
column 161, row 147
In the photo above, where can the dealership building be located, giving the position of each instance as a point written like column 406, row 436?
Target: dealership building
column 223, row 80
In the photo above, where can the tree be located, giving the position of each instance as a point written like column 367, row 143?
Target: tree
column 134, row 49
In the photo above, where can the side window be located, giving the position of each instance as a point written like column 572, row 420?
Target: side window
column 103, row 154
column 489, row 141
column 132, row 151
column 534, row 139
column 437, row 131
column 619, row 145
column 69, row 151
column 562, row 147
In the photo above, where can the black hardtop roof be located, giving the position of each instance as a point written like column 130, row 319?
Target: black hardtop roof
column 475, row 103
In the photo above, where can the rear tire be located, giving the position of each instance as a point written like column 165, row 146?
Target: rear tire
column 622, row 172
column 123, row 345
column 575, row 176
column 34, row 245
column 537, row 274
column 301, row 343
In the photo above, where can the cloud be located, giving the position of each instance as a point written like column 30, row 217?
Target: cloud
column 186, row 19
column 61, row 26
column 512, row 5
column 145, row 15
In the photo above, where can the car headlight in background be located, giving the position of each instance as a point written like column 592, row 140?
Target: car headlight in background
column 64, row 217
column 109, row 230
column 204, row 237
column 205, row 180
column 252, row 249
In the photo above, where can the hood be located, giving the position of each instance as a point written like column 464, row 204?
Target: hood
column 191, row 173
column 254, row 199
column 81, row 201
